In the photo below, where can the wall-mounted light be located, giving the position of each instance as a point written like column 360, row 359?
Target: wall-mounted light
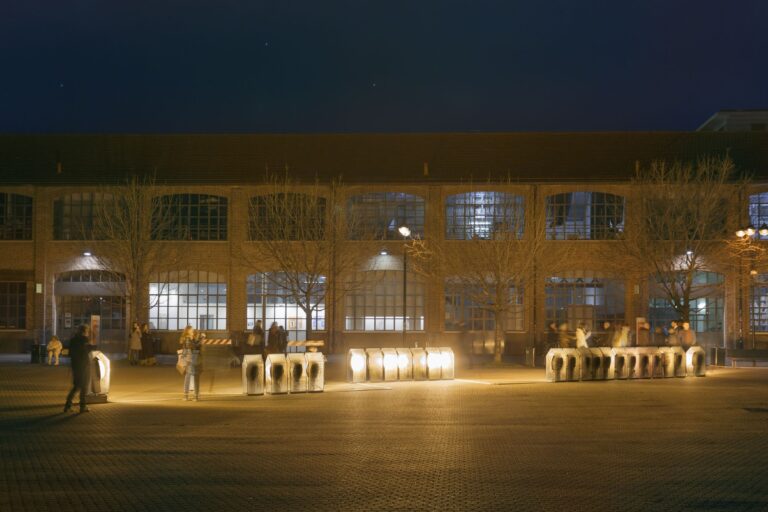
column 383, row 252
column 87, row 253
column 689, row 252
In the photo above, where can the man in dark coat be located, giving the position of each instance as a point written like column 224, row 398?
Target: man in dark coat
column 80, row 354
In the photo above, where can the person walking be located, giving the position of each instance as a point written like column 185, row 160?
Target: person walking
column 190, row 355
column 582, row 335
column 147, row 346
column 134, row 346
column 80, row 349
column 54, row 350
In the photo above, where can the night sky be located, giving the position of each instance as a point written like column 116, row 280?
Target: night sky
column 324, row 66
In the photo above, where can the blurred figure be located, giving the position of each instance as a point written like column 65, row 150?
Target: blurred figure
column 147, row 347
column 563, row 337
column 80, row 349
column 582, row 335
column 134, row 345
column 54, row 350
column 190, row 354
column 673, row 337
column 282, row 336
column 273, row 339
column 255, row 342
column 687, row 336
column 610, row 332
column 644, row 335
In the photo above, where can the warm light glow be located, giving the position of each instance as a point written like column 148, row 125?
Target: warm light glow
column 87, row 253
column 434, row 360
column 405, row 231
column 390, row 362
column 740, row 233
column 763, row 230
column 383, row 253
column 689, row 252
column 357, row 363
column 102, row 369
column 402, row 361
column 753, row 272
column 750, row 230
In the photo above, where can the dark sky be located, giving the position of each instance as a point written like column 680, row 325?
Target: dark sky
column 320, row 65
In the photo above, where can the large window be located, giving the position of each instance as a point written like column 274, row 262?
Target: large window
column 13, row 305
column 483, row 215
column 15, row 217
column 374, row 302
column 584, row 216
column 196, row 298
column 706, row 306
column 377, row 215
column 758, row 310
column 270, row 299
column 73, row 216
column 758, row 211
column 190, row 217
column 584, row 298
column 466, row 309
column 83, row 293
column 287, row 217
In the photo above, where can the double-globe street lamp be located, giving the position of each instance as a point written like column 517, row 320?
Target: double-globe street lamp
column 747, row 236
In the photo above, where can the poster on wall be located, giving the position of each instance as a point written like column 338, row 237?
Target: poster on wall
column 95, row 329
column 67, row 320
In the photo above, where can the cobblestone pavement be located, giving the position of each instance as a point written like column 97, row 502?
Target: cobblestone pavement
column 495, row 440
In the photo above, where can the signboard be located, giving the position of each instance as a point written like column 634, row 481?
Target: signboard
column 95, row 329
column 67, row 320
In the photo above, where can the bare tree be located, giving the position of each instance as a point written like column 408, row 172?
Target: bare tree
column 299, row 231
column 126, row 218
column 677, row 225
column 490, row 259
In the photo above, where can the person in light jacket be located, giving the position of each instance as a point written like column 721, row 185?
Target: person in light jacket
column 582, row 335
column 134, row 346
column 190, row 354
column 54, row 350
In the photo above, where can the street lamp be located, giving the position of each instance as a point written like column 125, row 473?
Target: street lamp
column 747, row 236
column 405, row 232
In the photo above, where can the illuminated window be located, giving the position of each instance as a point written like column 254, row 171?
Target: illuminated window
column 286, row 217
column 377, row 215
column 707, row 304
column 13, row 305
column 464, row 309
column 190, row 217
column 375, row 302
column 483, row 214
column 758, row 211
column 83, row 293
column 15, row 217
column 588, row 299
column 759, row 304
column 584, row 216
column 73, row 216
column 196, row 298
column 272, row 299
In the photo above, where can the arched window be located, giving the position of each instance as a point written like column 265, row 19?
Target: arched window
column 15, row 217
column 190, row 217
column 375, row 302
column 378, row 215
column 74, row 215
column 483, row 215
column 188, row 297
column 286, row 217
column 584, row 216
column 83, row 293
column 272, row 299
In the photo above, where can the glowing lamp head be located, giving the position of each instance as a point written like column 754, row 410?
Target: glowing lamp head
column 404, row 231
column 740, row 233
column 750, row 230
column 87, row 253
column 763, row 230
column 402, row 361
column 357, row 363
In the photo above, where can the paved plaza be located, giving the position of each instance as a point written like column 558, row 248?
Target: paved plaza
column 494, row 439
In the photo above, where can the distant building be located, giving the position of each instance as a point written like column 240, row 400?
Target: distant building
column 440, row 184
column 736, row 121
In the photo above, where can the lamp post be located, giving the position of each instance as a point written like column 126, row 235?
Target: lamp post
column 747, row 236
column 405, row 232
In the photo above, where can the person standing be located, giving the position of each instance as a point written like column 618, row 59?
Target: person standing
column 134, row 346
column 255, row 342
column 147, row 347
column 80, row 349
column 190, row 354
column 282, row 336
column 582, row 335
column 273, row 339
column 54, row 350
